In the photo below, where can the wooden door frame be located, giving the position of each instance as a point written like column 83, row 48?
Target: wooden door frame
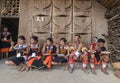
column 0, row 27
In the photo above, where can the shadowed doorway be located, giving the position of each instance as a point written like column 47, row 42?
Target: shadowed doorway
column 12, row 24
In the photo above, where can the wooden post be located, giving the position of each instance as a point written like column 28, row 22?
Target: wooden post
column 0, row 26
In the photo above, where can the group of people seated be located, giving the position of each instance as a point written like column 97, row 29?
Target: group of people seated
column 30, row 56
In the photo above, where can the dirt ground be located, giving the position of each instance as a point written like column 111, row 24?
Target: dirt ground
column 10, row 74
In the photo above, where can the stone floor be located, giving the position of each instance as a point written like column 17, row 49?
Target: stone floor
column 10, row 74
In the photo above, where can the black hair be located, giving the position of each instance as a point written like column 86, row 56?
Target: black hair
column 50, row 39
column 21, row 37
column 4, row 28
column 78, row 35
column 101, row 40
column 35, row 38
column 63, row 39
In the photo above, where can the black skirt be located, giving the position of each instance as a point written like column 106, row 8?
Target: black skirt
column 60, row 60
column 17, row 60
column 39, row 63
column 4, row 44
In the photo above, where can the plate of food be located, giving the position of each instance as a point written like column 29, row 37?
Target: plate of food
column 19, row 48
column 77, row 53
column 45, row 54
column 48, row 54
column 105, row 52
column 60, row 55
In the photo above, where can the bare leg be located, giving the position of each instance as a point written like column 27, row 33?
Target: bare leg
column 71, row 68
column 84, row 68
column 65, row 66
column 92, row 68
column 28, row 67
column 10, row 63
column 103, row 68
column 22, row 67
column 55, row 63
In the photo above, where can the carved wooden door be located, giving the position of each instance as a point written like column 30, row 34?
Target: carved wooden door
column 62, row 18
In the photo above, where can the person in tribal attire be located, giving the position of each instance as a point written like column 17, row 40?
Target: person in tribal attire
column 5, row 41
column 84, row 59
column 62, row 54
column 22, row 53
column 49, row 50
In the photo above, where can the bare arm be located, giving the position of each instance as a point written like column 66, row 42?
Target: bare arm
column 91, row 46
column 44, row 47
column 12, row 46
column 25, row 51
column 80, row 47
column 57, row 51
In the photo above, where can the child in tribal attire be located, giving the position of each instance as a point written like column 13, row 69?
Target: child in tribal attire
column 71, row 59
column 104, row 59
column 104, row 63
column 84, row 59
column 92, row 62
